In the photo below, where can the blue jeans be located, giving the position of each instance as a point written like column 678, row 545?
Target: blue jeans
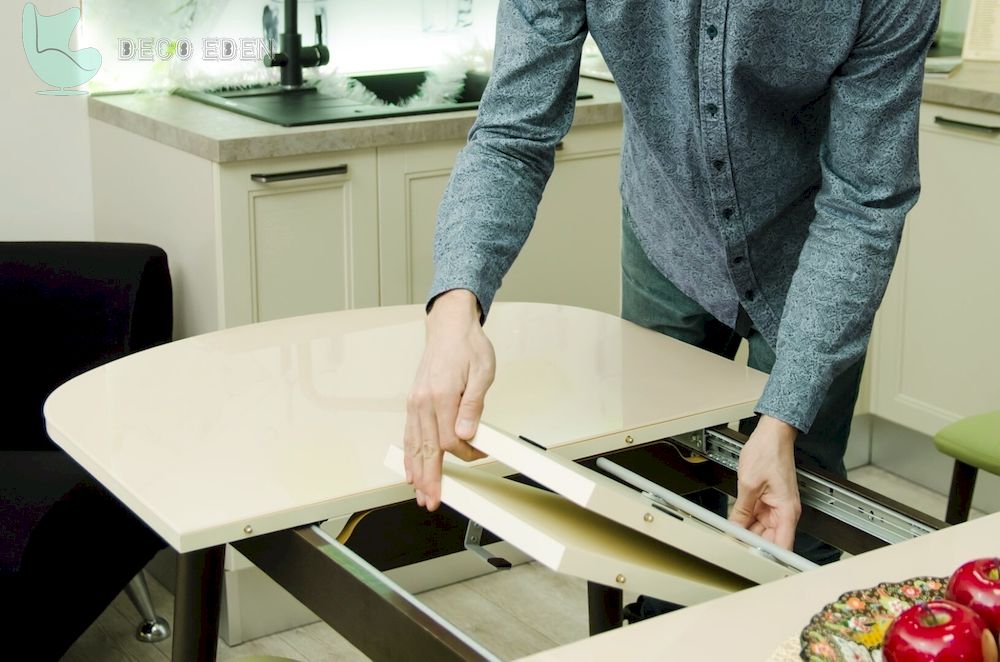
column 650, row 300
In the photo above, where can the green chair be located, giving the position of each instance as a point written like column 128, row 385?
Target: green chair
column 46, row 43
column 974, row 442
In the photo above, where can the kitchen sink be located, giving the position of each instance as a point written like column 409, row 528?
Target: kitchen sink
column 307, row 105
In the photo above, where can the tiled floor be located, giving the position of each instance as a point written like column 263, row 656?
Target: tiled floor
column 543, row 608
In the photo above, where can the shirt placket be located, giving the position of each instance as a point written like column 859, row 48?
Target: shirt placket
column 711, row 76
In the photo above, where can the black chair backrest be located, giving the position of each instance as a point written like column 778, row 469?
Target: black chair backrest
column 67, row 307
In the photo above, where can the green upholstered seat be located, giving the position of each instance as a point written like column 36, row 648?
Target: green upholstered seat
column 974, row 440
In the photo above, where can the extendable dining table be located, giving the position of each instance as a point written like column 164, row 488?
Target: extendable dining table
column 253, row 435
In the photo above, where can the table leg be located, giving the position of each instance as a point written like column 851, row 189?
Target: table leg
column 963, row 482
column 604, row 605
column 197, row 605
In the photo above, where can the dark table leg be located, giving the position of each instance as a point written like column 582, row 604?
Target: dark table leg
column 605, row 607
column 963, row 482
column 197, row 605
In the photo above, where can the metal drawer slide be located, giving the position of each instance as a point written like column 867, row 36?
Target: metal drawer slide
column 845, row 505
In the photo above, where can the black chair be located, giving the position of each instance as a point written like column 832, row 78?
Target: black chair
column 67, row 546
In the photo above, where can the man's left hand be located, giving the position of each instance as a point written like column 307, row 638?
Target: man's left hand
column 768, row 499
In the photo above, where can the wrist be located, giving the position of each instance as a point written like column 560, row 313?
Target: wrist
column 453, row 305
column 777, row 429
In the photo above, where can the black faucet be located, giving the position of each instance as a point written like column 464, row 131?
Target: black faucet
column 293, row 55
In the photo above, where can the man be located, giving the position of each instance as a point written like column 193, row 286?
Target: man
column 768, row 163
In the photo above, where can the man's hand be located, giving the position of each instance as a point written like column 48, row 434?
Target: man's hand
column 768, row 498
column 446, row 401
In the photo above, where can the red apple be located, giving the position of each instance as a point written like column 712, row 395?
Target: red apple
column 939, row 630
column 976, row 584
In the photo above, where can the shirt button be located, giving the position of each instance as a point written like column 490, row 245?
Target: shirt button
column 717, row 164
column 749, row 295
column 728, row 213
column 712, row 109
column 712, row 32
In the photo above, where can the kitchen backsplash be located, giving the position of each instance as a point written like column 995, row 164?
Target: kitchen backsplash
column 167, row 43
column 155, row 45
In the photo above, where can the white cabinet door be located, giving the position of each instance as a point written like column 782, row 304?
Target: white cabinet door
column 937, row 355
column 411, row 182
column 299, row 236
column 573, row 254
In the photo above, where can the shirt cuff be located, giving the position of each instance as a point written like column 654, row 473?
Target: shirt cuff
column 795, row 391
column 483, row 293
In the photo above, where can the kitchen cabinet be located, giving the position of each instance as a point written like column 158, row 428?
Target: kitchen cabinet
column 251, row 241
column 298, row 236
column 243, row 248
column 935, row 352
column 573, row 254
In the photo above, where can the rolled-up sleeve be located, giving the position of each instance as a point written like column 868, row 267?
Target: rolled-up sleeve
column 492, row 196
column 870, row 182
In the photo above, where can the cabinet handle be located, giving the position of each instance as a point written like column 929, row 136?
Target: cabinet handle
column 982, row 128
column 267, row 178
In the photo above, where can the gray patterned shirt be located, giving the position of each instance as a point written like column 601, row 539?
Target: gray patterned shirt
column 769, row 159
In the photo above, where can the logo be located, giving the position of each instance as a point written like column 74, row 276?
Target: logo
column 46, row 45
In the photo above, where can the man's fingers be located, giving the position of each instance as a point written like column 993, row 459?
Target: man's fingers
column 411, row 442
column 745, row 507
column 433, row 458
column 784, row 530
column 445, row 410
column 414, row 460
column 429, row 458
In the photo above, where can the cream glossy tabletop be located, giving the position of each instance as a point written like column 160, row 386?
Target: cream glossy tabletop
column 273, row 425
column 752, row 624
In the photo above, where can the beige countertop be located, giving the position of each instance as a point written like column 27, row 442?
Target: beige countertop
column 222, row 136
column 976, row 86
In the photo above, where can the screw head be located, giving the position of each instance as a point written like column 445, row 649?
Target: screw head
column 248, row 529
column 620, row 579
column 629, row 440
column 648, row 517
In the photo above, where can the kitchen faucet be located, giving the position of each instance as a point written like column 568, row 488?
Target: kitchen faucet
column 293, row 55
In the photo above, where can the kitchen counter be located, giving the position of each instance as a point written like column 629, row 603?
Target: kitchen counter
column 976, row 86
column 223, row 136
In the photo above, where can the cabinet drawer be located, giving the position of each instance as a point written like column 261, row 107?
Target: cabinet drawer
column 962, row 122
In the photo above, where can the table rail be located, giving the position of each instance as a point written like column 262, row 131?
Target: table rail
column 370, row 610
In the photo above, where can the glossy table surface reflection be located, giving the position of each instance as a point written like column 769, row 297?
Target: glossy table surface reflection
column 269, row 426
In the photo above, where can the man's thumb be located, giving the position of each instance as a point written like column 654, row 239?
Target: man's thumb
column 470, row 410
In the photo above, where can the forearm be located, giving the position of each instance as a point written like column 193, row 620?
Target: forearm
column 490, row 203
column 870, row 182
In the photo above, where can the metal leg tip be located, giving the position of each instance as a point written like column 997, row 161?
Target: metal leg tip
column 153, row 631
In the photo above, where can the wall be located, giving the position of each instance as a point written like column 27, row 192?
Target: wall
column 45, row 179
column 955, row 16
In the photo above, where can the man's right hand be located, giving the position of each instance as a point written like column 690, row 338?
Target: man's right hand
column 447, row 398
